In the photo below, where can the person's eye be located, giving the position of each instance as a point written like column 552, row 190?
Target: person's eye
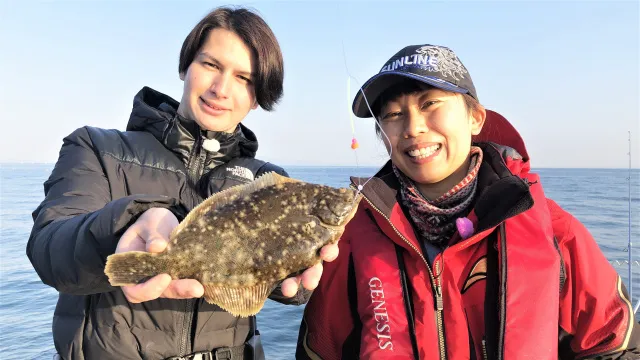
column 428, row 103
column 392, row 115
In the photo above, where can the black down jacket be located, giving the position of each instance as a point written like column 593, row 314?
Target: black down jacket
column 103, row 180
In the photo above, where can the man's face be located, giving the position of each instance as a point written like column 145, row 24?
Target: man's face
column 218, row 89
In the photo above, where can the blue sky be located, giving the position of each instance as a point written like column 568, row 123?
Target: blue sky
column 566, row 74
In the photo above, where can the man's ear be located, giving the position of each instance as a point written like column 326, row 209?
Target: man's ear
column 477, row 120
column 255, row 104
column 182, row 76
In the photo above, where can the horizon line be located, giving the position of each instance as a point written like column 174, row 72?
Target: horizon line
column 350, row 166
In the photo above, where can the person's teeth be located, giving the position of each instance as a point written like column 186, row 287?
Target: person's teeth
column 424, row 152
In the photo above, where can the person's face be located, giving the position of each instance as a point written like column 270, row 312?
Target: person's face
column 429, row 134
column 218, row 90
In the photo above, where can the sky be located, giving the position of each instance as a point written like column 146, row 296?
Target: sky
column 565, row 73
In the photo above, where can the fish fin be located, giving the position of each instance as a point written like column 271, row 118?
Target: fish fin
column 132, row 267
column 229, row 195
column 240, row 301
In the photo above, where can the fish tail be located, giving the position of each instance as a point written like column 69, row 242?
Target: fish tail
column 133, row 267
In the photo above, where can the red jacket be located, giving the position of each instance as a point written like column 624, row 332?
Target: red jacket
column 530, row 284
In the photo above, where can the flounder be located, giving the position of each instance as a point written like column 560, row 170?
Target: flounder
column 241, row 242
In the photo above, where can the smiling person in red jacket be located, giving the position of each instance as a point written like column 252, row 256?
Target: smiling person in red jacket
column 456, row 252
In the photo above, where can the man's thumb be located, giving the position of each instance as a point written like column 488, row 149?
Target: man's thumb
column 156, row 244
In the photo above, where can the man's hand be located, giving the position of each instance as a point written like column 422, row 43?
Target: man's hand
column 310, row 277
column 151, row 233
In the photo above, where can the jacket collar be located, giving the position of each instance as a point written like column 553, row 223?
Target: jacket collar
column 156, row 113
column 501, row 194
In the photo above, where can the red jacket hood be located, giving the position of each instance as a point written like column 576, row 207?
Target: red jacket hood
column 499, row 130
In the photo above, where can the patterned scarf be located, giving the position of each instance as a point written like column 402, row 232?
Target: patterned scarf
column 435, row 220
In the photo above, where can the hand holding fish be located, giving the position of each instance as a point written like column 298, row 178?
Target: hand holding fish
column 151, row 233
column 237, row 245
column 310, row 277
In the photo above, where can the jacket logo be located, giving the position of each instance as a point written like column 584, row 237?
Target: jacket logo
column 383, row 330
column 242, row 172
column 478, row 272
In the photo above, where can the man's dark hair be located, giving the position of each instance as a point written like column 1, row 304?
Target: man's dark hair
column 268, row 72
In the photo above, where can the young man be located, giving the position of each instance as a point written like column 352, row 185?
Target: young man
column 113, row 191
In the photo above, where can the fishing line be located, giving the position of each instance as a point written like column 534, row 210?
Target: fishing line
column 354, row 142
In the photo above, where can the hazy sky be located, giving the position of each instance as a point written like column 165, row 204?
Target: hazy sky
column 566, row 74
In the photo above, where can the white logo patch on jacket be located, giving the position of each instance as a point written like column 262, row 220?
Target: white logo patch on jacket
column 242, row 172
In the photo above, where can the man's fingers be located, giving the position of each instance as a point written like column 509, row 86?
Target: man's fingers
column 329, row 252
column 129, row 241
column 311, row 277
column 156, row 245
column 289, row 287
column 167, row 222
column 162, row 286
column 184, row 289
column 149, row 290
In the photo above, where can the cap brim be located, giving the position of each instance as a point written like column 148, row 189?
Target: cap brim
column 378, row 83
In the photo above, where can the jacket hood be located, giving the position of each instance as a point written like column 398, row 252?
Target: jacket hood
column 497, row 129
column 156, row 113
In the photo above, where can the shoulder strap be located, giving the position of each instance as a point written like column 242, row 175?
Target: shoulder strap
column 492, row 307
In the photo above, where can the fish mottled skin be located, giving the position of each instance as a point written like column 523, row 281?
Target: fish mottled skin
column 240, row 243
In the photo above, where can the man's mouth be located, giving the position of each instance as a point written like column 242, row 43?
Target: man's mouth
column 213, row 106
column 423, row 151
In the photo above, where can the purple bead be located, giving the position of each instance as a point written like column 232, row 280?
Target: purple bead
column 465, row 227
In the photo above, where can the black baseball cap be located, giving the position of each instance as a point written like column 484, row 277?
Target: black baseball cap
column 435, row 65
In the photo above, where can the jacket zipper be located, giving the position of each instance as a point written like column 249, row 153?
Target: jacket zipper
column 195, row 167
column 439, row 316
column 195, row 171
column 439, row 302
column 484, row 349
column 186, row 326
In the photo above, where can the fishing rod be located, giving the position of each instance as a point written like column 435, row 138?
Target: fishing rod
column 629, row 240
column 635, row 308
column 629, row 262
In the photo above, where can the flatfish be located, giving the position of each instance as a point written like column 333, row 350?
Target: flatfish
column 241, row 242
